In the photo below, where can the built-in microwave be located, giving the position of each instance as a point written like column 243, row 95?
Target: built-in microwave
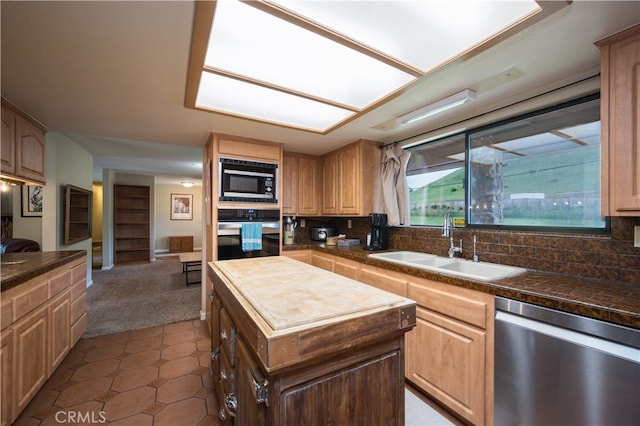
column 247, row 181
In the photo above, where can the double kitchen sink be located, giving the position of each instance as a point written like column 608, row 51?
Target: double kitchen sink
column 482, row 271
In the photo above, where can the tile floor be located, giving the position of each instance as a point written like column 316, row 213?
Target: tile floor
column 155, row 376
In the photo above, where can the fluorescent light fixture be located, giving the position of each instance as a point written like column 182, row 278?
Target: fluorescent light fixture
column 437, row 107
column 187, row 184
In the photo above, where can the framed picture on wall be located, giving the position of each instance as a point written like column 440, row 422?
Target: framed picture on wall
column 31, row 201
column 181, row 206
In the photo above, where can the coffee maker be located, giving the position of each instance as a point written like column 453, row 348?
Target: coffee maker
column 378, row 239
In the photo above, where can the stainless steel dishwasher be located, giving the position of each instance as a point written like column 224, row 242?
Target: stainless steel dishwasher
column 556, row 368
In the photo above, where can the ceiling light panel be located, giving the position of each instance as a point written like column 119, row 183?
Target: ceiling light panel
column 248, row 42
column 403, row 29
column 224, row 94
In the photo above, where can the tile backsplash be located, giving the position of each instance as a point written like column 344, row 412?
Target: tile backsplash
column 611, row 257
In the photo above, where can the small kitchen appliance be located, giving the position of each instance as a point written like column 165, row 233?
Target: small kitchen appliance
column 321, row 234
column 247, row 181
column 378, row 239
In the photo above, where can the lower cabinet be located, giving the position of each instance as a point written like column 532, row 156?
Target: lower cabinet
column 42, row 318
column 449, row 354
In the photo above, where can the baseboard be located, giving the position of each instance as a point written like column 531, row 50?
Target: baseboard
column 106, row 268
column 203, row 315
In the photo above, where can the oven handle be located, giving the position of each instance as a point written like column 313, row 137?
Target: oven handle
column 233, row 228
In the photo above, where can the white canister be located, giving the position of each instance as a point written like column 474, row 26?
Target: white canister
column 288, row 237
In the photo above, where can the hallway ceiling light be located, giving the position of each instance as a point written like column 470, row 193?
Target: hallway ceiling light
column 187, row 184
column 315, row 65
column 437, row 107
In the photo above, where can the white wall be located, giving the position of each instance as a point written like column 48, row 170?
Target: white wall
column 165, row 227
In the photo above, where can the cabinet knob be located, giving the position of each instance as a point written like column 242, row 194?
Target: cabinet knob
column 223, row 334
column 222, row 414
column 211, row 296
column 223, row 374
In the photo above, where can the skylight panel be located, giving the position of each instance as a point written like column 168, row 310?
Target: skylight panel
column 247, row 42
column 236, row 97
column 402, row 29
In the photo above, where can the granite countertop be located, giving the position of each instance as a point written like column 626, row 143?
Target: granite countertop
column 610, row 301
column 18, row 268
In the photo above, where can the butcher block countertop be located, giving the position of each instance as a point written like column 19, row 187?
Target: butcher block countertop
column 296, row 311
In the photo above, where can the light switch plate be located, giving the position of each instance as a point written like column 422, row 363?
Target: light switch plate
column 301, row 223
column 349, row 223
column 636, row 236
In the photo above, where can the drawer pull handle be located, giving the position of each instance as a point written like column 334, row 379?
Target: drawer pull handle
column 231, row 404
column 222, row 414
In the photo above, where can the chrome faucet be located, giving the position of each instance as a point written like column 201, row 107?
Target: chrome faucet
column 447, row 231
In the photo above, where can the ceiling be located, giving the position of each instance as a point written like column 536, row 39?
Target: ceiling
column 112, row 77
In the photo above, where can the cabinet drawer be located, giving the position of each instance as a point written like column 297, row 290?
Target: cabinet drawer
column 225, row 375
column 319, row 261
column 36, row 294
column 383, row 280
column 78, row 308
column 227, row 335
column 346, row 268
column 78, row 328
column 463, row 305
column 59, row 283
column 6, row 313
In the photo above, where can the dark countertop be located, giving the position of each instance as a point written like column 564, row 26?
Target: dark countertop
column 610, row 301
column 18, row 268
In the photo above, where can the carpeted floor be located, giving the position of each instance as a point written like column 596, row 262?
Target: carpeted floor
column 131, row 297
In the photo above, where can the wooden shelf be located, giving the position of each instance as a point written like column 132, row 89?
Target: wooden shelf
column 77, row 219
column 132, row 224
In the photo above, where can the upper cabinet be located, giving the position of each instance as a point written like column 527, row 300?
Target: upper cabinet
column 350, row 179
column 620, row 103
column 23, row 146
column 300, row 185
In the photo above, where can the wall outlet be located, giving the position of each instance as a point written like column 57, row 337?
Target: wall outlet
column 636, row 236
column 349, row 223
column 301, row 223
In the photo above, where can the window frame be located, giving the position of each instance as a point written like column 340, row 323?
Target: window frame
column 605, row 230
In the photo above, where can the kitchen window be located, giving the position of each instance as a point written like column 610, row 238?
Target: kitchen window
column 539, row 171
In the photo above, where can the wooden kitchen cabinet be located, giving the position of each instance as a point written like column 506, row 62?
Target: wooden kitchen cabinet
column 42, row 319
column 300, row 185
column 274, row 368
column 31, row 357
column 620, row 101
column 6, row 383
column 299, row 255
column 456, row 325
column 350, row 179
column 23, row 146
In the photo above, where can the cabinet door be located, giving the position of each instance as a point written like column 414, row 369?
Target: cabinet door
column 330, row 184
column 60, row 328
column 383, row 280
column 289, row 185
column 8, row 144
column 30, row 151
column 621, row 123
column 349, row 185
column 452, row 369
column 346, row 268
column 31, row 349
column 309, row 186
column 6, row 347
column 250, row 389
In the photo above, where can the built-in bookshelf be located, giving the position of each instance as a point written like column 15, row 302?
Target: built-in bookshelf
column 77, row 219
column 132, row 224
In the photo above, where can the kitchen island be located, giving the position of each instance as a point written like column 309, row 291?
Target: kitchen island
column 294, row 344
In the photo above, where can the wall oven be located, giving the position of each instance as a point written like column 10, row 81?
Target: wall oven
column 229, row 241
column 247, row 181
